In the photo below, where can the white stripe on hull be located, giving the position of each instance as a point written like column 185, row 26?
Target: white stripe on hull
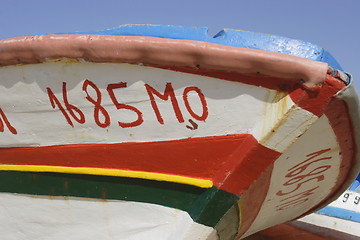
column 233, row 108
column 333, row 223
column 57, row 218
column 349, row 200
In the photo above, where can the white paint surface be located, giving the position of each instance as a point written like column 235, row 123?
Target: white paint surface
column 24, row 217
column 288, row 129
column 234, row 108
column 319, row 136
column 337, row 224
column 349, row 200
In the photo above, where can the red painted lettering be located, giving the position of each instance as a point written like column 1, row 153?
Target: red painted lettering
column 302, row 194
column 313, row 172
column 298, row 175
column 291, row 204
column 294, row 169
column 293, row 201
column 297, row 186
column 110, row 88
column 71, row 108
column 102, row 117
column 168, row 93
column 97, row 104
column 205, row 113
column 4, row 119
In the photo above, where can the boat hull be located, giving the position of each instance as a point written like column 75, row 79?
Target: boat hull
column 215, row 148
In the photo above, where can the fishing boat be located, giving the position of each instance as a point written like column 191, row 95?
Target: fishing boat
column 163, row 132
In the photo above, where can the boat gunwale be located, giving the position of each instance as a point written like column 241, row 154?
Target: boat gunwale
column 162, row 52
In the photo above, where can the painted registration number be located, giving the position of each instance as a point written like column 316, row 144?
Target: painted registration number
column 351, row 198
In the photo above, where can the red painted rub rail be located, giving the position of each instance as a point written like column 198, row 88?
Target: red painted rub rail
column 160, row 51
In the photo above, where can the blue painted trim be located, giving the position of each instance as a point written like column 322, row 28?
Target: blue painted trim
column 340, row 213
column 227, row 37
column 329, row 59
column 356, row 185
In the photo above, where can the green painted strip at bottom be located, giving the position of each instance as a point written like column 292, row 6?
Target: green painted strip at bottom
column 210, row 207
column 205, row 206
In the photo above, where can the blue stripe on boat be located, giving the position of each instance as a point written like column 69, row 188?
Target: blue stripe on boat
column 227, row 37
column 340, row 213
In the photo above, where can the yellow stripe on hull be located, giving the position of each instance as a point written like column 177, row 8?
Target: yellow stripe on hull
column 203, row 183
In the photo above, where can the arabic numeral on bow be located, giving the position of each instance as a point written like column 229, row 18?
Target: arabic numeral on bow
column 346, row 197
column 110, row 89
column 102, row 117
column 357, row 200
column 75, row 112
column 97, row 104
column 5, row 122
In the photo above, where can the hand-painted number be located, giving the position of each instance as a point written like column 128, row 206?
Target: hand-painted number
column 110, row 88
column 69, row 107
column 97, row 104
column 102, row 117
column 4, row 121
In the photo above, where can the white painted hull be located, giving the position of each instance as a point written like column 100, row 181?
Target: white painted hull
column 28, row 113
column 341, row 215
column 33, row 217
column 337, row 224
column 130, row 137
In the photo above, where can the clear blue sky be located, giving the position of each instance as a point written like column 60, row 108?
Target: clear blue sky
column 332, row 24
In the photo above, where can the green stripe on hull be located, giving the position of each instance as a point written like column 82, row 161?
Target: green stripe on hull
column 209, row 205
column 205, row 206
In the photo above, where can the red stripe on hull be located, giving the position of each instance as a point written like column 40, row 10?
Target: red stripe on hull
column 316, row 100
column 198, row 158
column 300, row 231
column 236, row 176
column 258, row 80
column 253, row 199
column 191, row 157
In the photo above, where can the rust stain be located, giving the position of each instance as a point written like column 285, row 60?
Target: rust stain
column 103, row 194
column 33, row 178
column 302, row 128
column 66, row 185
column 53, row 191
column 304, row 125
column 278, row 125
column 277, row 112
column 275, row 109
